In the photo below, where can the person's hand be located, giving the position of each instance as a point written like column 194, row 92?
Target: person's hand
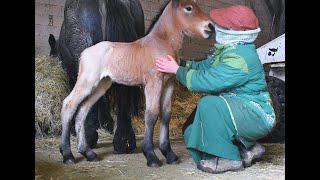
column 167, row 65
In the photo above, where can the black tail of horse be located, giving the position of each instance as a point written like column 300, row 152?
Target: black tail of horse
column 120, row 25
column 121, row 22
column 52, row 43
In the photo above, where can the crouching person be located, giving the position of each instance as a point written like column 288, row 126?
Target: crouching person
column 222, row 131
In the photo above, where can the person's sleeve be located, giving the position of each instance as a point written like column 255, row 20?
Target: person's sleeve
column 197, row 65
column 231, row 72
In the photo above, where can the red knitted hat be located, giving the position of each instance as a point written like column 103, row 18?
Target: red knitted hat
column 237, row 17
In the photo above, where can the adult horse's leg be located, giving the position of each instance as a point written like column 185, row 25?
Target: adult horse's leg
column 124, row 140
column 152, row 93
column 70, row 105
column 83, row 147
column 165, row 116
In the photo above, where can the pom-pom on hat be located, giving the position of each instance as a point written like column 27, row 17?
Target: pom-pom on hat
column 237, row 17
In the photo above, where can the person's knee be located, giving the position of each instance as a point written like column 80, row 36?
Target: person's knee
column 203, row 102
column 206, row 101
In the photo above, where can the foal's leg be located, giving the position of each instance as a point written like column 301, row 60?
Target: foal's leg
column 84, row 108
column 66, row 117
column 164, row 141
column 70, row 104
column 152, row 93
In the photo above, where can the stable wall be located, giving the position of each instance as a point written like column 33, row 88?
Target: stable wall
column 49, row 17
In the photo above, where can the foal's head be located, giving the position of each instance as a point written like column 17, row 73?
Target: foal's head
column 192, row 19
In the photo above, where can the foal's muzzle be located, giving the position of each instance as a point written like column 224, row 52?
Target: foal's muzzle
column 211, row 31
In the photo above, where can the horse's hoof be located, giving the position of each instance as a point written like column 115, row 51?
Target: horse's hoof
column 173, row 162
column 124, row 145
column 153, row 164
column 93, row 159
column 173, row 159
column 117, row 152
column 69, row 160
column 130, row 151
column 124, row 141
column 67, row 156
column 124, row 152
column 91, row 156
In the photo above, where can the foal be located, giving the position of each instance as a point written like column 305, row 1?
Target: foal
column 133, row 64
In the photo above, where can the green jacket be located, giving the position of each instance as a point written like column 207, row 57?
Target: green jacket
column 234, row 73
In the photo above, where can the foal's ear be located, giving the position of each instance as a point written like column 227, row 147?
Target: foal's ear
column 175, row 3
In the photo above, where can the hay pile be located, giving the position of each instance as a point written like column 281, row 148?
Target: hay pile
column 183, row 103
column 51, row 87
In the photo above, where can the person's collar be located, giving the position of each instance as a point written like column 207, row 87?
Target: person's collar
column 220, row 48
column 231, row 37
column 230, row 31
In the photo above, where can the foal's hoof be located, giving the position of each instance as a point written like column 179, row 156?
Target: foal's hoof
column 154, row 163
column 69, row 159
column 67, row 155
column 176, row 161
column 88, row 154
column 172, row 159
column 91, row 156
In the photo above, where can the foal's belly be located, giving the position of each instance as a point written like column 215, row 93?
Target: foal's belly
column 129, row 64
column 126, row 72
column 125, row 77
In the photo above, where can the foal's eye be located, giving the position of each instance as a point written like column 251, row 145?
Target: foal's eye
column 188, row 8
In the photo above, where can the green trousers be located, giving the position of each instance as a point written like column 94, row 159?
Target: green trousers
column 213, row 132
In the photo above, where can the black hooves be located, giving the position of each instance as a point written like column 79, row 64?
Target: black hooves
column 69, row 159
column 154, row 163
column 173, row 161
column 124, row 142
column 91, row 156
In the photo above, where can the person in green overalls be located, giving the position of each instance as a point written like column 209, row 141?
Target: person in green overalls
column 237, row 110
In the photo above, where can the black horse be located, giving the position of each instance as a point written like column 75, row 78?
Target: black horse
column 87, row 22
